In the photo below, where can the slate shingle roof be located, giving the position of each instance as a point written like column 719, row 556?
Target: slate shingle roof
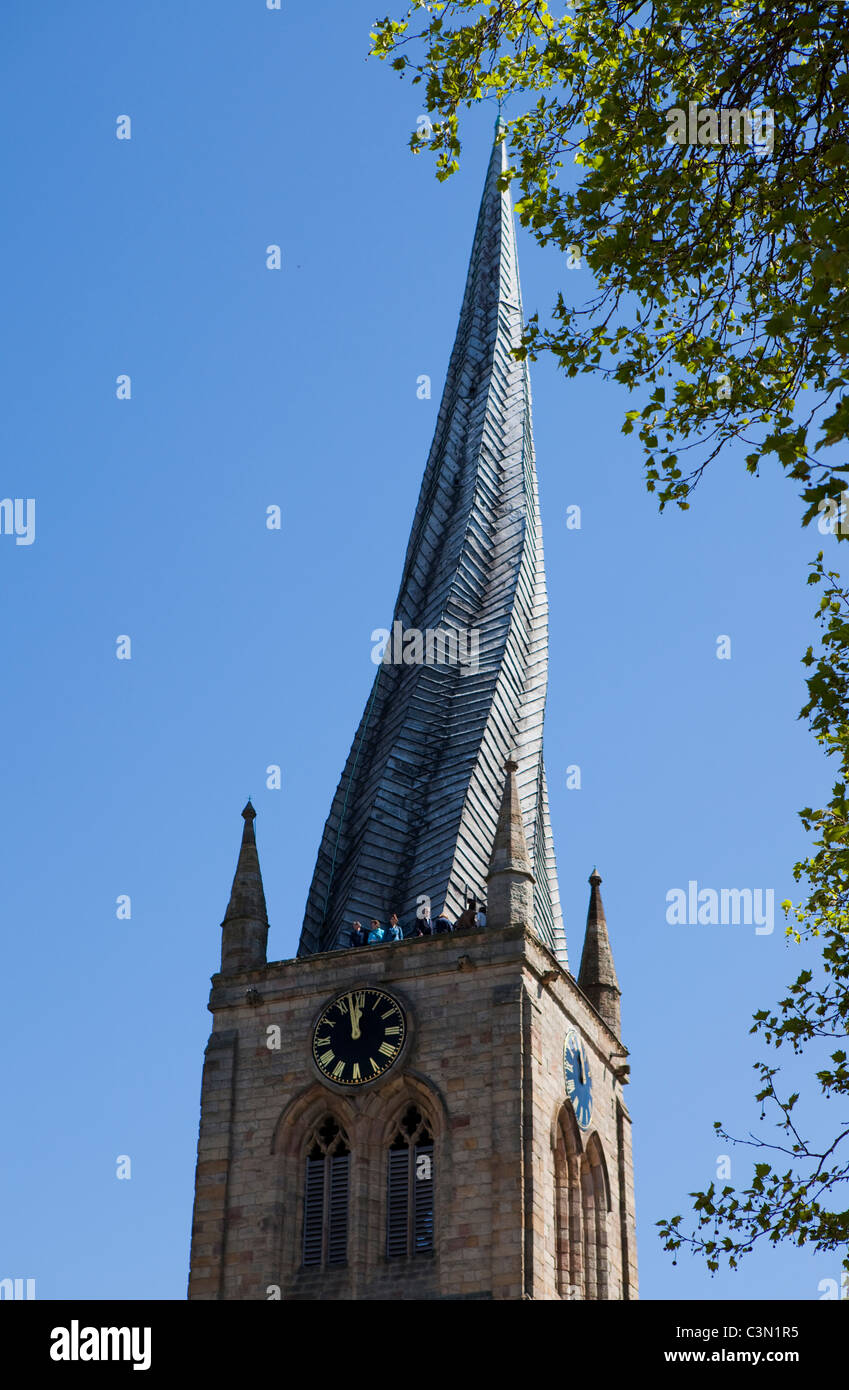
column 416, row 807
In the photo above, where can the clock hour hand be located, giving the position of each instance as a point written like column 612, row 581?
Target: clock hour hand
column 356, row 1014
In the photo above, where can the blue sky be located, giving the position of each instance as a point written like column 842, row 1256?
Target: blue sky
column 252, row 647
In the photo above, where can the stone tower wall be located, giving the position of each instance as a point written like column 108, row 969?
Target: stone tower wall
column 488, row 1012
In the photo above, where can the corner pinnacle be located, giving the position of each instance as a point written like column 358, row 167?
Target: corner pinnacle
column 597, row 975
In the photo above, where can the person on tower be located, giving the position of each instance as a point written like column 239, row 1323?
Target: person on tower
column 424, row 926
column 442, row 924
column 358, row 936
column 467, row 921
column 394, row 931
column 376, row 932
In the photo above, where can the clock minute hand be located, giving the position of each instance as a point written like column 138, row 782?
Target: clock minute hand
column 356, row 1014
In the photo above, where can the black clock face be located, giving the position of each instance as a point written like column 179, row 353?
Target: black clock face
column 359, row 1036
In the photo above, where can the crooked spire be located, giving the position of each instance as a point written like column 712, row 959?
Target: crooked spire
column 597, row 976
column 416, row 808
column 245, row 927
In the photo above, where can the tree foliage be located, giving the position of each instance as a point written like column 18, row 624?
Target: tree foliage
column 720, row 273
column 802, row 1193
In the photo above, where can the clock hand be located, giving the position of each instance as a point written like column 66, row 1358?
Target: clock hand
column 356, row 1014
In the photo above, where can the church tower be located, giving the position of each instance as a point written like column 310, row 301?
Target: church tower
column 440, row 1116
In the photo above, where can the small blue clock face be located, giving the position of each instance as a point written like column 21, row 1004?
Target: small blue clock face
column 579, row 1084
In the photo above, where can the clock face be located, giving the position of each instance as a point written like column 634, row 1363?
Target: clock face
column 359, row 1036
column 579, row 1085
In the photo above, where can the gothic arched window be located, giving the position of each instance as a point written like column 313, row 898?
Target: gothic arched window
column 569, row 1236
column 590, row 1229
column 597, row 1205
column 326, row 1196
column 409, row 1197
column 581, row 1205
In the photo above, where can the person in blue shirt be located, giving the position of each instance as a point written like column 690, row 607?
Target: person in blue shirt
column 375, row 932
column 442, row 924
column 395, row 932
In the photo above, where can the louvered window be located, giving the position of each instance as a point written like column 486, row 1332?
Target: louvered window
column 398, row 1200
column 337, row 1210
column 314, row 1210
column 409, row 1200
column 326, row 1196
column 423, row 1196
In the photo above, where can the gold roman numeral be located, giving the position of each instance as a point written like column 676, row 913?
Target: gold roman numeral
column 386, row 1049
column 338, row 1069
column 390, row 1031
column 327, row 1059
column 389, row 1012
column 322, row 1042
column 356, row 1071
